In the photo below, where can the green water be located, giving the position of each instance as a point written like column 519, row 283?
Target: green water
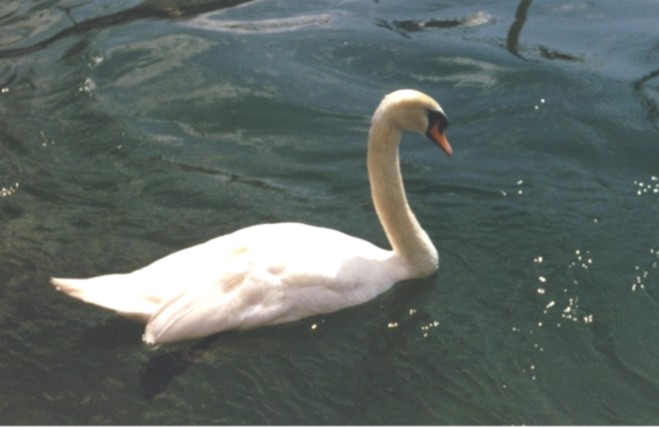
column 130, row 130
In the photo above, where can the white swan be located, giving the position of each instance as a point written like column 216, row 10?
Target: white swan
column 275, row 273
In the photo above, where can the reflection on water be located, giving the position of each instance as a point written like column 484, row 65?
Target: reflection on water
column 131, row 129
column 158, row 56
column 512, row 41
column 643, row 274
column 649, row 95
column 261, row 26
column 410, row 26
column 647, row 188
column 146, row 10
column 9, row 190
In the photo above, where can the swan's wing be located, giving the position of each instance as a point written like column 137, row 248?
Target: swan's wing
column 240, row 294
column 118, row 292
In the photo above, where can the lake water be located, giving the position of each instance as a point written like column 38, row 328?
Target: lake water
column 131, row 129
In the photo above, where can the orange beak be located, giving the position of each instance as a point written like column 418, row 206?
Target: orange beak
column 438, row 137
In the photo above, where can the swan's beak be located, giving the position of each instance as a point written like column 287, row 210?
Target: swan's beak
column 438, row 137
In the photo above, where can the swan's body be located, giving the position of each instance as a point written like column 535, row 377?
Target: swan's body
column 275, row 273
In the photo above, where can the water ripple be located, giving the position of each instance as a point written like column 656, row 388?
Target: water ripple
column 261, row 26
column 49, row 22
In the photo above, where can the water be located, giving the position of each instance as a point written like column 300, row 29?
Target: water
column 129, row 130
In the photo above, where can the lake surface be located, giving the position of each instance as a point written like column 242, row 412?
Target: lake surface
column 131, row 129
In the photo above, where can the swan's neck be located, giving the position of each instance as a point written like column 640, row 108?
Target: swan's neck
column 408, row 240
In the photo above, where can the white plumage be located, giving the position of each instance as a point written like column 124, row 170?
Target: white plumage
column 275, row 273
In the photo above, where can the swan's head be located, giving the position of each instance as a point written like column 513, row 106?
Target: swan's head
column 415, row 111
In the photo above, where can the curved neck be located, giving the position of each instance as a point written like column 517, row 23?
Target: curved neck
column 408, row 240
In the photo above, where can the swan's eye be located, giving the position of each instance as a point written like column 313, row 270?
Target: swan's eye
column 437, row 124
column 437, row 118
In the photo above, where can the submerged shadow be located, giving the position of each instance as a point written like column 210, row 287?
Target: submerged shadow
column 160, row 370
column 146, row 10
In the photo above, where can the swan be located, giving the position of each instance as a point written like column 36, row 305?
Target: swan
column 274, row 273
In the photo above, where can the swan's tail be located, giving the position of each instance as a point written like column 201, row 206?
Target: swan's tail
column 114, row 292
